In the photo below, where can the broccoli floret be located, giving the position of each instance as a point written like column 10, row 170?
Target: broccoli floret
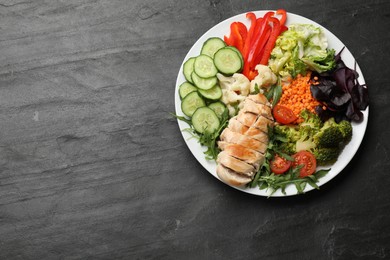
column 346, row 129
column 325, row 140
column 310, row 119
column 334, row 134
column 287, row 147
column 329, row 137
column 305, row 141
column 326, row 156
column 290, row 134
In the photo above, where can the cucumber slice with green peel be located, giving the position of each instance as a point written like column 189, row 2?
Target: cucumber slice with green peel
column 188, row 68
column 204, row 66
column 191, row 103
column 227, row 61
column 185, row 88
column 204, row 120
column 218, row 107
column 239, row 54
column 214, row 93
column 204, row 83
column 211, row 46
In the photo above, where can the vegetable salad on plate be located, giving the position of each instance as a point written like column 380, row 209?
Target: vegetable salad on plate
column 272, row 103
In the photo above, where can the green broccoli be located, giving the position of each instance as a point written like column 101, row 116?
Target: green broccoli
column 288, row 135
column 330, row 140
column 346, row 129
column 311, row 119
column 334, row 134
column 325, row 140
column 326, row 155
column 329, row 137
column 305, row 141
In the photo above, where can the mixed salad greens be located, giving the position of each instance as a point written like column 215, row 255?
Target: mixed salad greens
column 298, row 142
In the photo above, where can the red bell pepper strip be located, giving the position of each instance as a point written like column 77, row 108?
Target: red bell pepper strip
column 238, row 37
column 249, row 37
column 243, row 30
column 259, row 54
column 271, row 41
column 259, row 38
column 283, row 29
column 238, row 34
column 228, row 40
column 284, row 16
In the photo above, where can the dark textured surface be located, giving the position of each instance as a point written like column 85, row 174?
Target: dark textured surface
column 94, row 167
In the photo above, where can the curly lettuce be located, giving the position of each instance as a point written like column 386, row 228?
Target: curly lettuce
column 301, row 47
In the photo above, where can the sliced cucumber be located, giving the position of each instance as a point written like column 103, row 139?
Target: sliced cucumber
column 203, row 83
column 239, row 54
column 218, row 107
column 185, row 88
column 227, row 61
column 211, row 46
column 192, row 102
column 213, row 93
column 188, row 68
column 204, row 120
column 204, row 66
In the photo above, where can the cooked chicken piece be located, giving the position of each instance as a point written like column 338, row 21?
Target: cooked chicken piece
column 238, row 127
column 246, row 118
column 259, row 98
column 244, row 142
column 235, row 164
column 258, row 109
column 231, row 177
column 262, row 124
column 251, row 120
column 232, row 137
column 241, row 152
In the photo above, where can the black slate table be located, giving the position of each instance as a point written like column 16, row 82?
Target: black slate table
column 93, row 166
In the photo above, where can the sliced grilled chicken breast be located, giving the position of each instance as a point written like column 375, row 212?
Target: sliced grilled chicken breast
column 262, row 123
column 246, row 118
column 256, row 108
column 231, row 177
column 244, row 140
column 259, row 98
column 255, row 133
column 241, row 152
column 252, row 120
column 235, row 164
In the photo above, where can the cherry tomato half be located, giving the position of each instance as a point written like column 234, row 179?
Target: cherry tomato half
column 280, row 165
column 283, row 115
column 308, row 161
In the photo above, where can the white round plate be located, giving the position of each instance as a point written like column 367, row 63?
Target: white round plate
column 223, row 28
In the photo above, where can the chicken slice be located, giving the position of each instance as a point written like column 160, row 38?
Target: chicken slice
column 262, row 123
column 259, row 98
column 245, row 154
column 251, row 120
column 235, row 164
column 246, row 118
column 236, row 138
column 231, row 177
column 258, row 109
column 238, row 127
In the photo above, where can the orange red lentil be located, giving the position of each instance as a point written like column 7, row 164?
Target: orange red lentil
column 296, row 95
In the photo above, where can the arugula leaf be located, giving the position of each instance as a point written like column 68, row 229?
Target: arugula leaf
column 274, row 93
column 266, row 179
column 182, row 118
